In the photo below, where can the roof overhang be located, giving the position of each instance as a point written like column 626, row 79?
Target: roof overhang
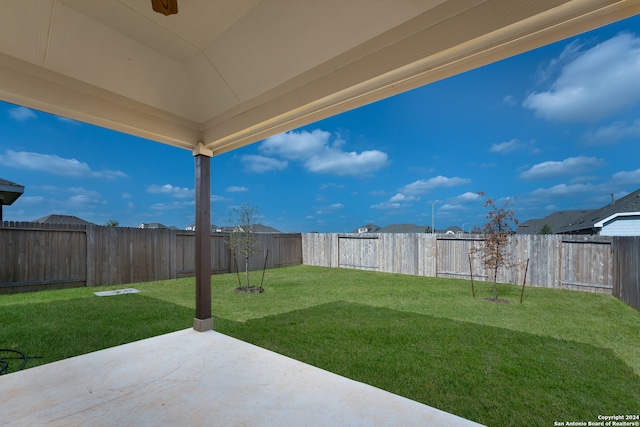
column 9, row 192
column 225, row 74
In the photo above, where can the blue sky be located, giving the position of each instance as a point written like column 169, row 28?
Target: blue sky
column 557, row 128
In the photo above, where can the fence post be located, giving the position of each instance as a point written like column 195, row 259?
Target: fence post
column 91, row 253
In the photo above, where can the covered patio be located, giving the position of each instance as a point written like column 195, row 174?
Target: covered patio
column 216, row 76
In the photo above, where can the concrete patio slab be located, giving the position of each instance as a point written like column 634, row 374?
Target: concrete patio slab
column 190, row 378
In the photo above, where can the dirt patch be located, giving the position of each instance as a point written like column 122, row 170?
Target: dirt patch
column 250, row 289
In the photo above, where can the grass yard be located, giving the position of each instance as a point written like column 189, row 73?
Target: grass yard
column 559, row 356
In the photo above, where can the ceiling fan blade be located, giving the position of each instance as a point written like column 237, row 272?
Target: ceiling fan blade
column 165, row 7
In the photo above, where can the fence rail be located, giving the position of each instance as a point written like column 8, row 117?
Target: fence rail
column 50, row 256
column 598, row 264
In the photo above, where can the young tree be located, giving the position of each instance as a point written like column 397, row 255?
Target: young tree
column 545, row 229
column 496, row 233
column 242, row 239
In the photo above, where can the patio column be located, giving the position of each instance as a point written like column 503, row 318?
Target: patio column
column 203, row 320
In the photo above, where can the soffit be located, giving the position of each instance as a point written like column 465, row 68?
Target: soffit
column 231, row 72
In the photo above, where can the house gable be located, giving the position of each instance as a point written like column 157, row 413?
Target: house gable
column 620, row 224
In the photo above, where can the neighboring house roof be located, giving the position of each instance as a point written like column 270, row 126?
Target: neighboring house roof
column 214, row 228
column 405, row 228
column 9, row 191
column 257, row 228
column 394, row 228
column 152, row 225
column 62, row 219
column 260, row 228
column 453, row 229
column 369, row 228
column 556, row 221
column 588, row 223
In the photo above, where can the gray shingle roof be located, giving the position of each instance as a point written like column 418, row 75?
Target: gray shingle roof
column 62, row 219
column 585, row 224
column 396, row 228
column 556, row 221
column 371, row 228
column 152, row 225
column 9, row 191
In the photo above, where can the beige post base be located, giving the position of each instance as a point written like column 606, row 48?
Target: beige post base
column 203, row 325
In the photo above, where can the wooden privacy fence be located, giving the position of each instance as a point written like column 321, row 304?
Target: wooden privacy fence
column 626, row 270
column 48, row 256
column 587, row 263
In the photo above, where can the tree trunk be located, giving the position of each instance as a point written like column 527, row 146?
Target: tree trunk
column 495, row 279
column 246, row 269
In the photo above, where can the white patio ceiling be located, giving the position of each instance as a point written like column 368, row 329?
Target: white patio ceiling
column 231, row 72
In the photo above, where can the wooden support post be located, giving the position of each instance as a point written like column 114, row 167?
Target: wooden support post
column 203, row 320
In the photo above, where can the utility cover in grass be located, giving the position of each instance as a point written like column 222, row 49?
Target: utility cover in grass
column 117, row 292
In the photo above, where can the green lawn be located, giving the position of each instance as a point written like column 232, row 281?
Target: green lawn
column 559, row 356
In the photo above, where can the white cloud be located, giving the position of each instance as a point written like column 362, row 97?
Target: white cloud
column 237, row 189
column 318, row 154
column 511, row 146
column 21, row 114
column 410, row 192
column 69, row 190
column 563, row 190
column 172, row 190
column 399, row 197
column 171, row 206
column 423, row 186
column 336, row 162
column 68, row 121
column 555, row 65
column 30, row 200
column 76, row 197
column 509, row 100
column 388, row 205
column 626, row 178
column 594, row 83
column 260, row 164
column 83, row 201
column 451, row 207
column 331, row 185
column 55, row 165
column 569, row 166
column 608, row 135
column 467, row 198
column 324, row 210
column 296, row 145
column 398, row 201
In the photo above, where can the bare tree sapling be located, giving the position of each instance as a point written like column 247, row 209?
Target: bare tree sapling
column 242, row 238
column 495, row 234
